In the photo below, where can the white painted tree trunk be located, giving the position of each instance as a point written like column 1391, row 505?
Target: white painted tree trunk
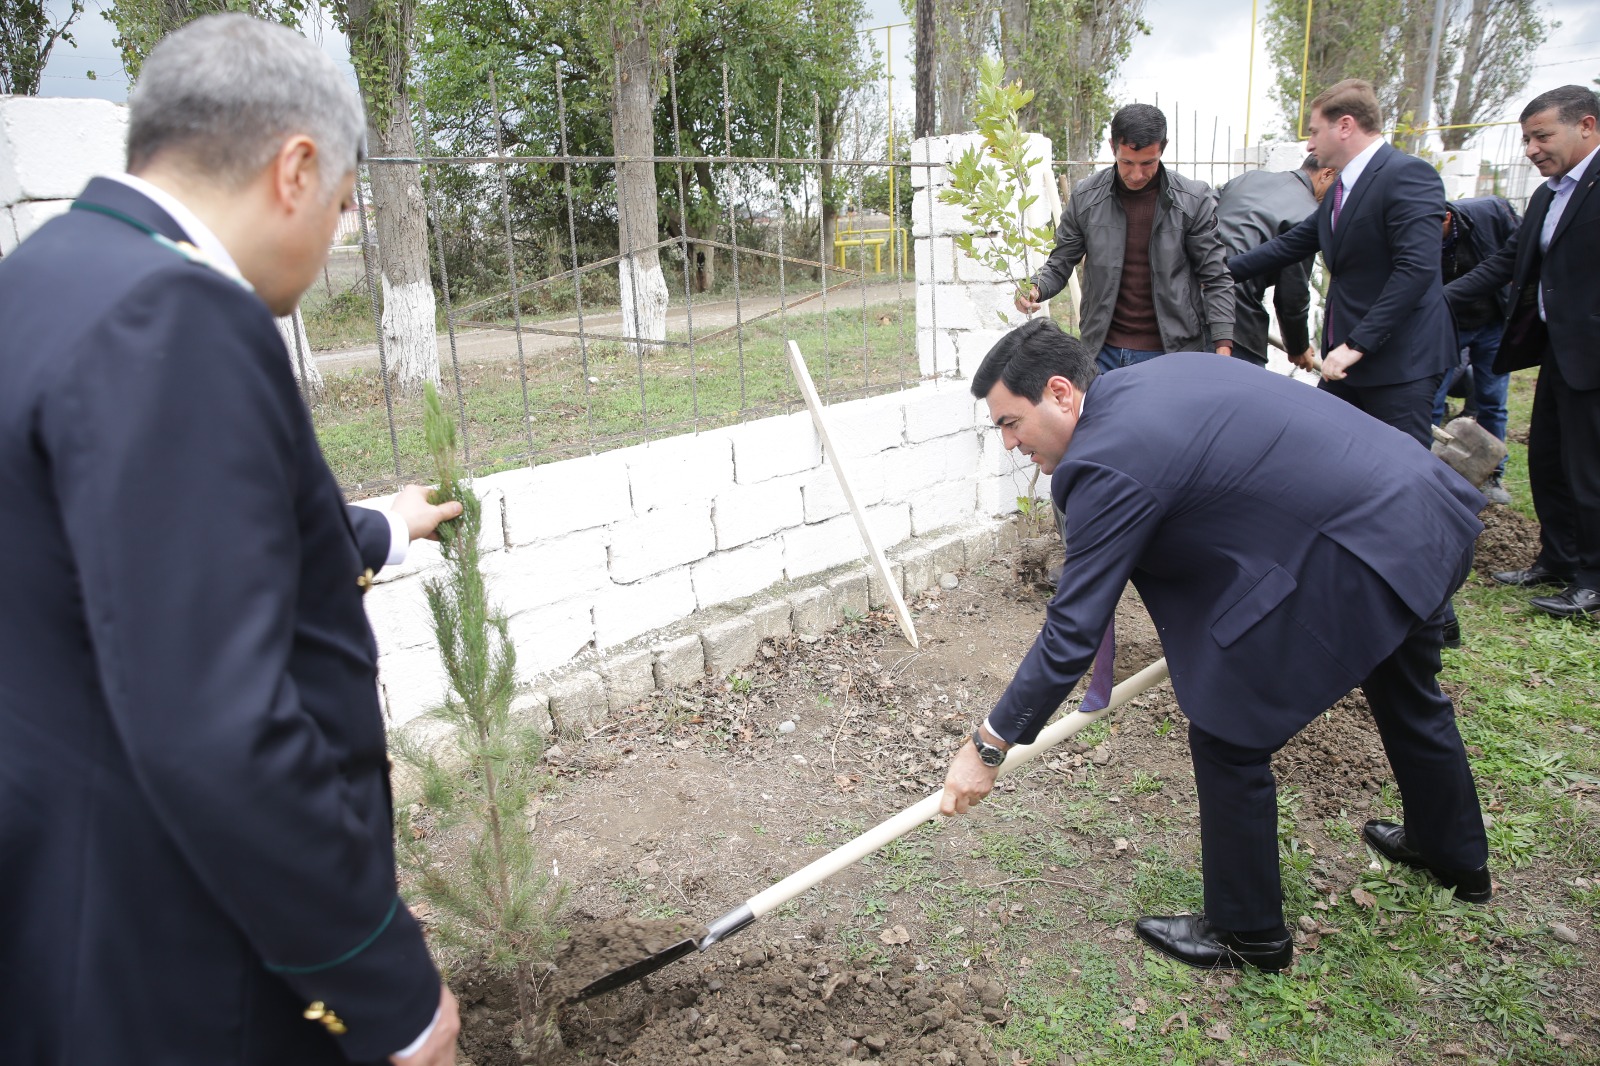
column 643, row 289
column 409, row 341
column 644, row 301
column 293, row 330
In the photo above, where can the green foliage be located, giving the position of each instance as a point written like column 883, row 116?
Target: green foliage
column 499, row 904
column 28, row 33
column 994, row 195
column 141, row 23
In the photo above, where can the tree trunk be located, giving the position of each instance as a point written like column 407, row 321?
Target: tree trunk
column 829, row 206
column 923, row 126
column 409, row 327
column 1461, row 110
column 643, row 288
column 292, row 328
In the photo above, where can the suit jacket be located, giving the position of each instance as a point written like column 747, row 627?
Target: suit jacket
column 1387, row 296
column 1252, row 209
column 197, row 835
column 1274, row 592
column 1568, row 274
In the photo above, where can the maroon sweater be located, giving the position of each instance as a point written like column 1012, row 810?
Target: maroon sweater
column 1133, row 322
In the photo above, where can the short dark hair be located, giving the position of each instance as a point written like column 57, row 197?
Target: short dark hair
column 1311, row 166
column 1029, row 356
column 1352, row 97
column 1138, row 125
column 1571, row 104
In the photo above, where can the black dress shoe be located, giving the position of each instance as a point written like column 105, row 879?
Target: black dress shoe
column 1572, row 602
column 1452, row 634
column 1389, row 840
column 1533, row 575
column 1191, row 939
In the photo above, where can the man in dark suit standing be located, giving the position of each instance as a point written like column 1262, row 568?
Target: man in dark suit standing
column 1387, row 334
column 1274, row 593
column 1554, row 324
column 196, row 851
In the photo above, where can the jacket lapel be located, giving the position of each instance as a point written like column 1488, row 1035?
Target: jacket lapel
column 1358, row 196
column 134, row 204
column 1586, row 182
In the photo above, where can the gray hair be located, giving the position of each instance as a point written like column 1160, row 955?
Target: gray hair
column 225, row 91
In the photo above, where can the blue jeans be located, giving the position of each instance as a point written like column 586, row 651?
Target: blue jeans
column 1488, row 388
column 1111, row 358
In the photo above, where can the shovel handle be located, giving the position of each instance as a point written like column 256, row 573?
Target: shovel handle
column 927, row 809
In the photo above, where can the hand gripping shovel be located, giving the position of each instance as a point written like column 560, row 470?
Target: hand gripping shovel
column 899, row 825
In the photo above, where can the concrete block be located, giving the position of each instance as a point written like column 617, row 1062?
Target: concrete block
column 679, row 661
column 971, row 347
column 664, row 538
column 548, row 637
column 678, row 470
column 920, row 466
column 980, row 544
column 729, row 645
column 622, row 612
column 399, row 616
column 877, row 591
column 547, row 571
column 563, row 497
column 890, row 524
column 935, row 260
column 743, row 513
column 816, row 611
column 929, row 217
column 849, row 592
column 772, row 447
column 949, row 552
column 956, row 307
column 808, row 549
column 975, row 268
column 920, row 569
column 938, row 409
column 936, row 351
column 628, row 679
column 773, row 621
column 867, row 427
column 1007, row 536
column 578, row 703
column 950, row 503
column 533, row 705
column 413, row 682
column 23, row 219
column 743, row 571
column 993, row 306
column 51, row 147
column 824, row 496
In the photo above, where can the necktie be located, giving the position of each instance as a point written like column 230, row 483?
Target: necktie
column 1338, row 202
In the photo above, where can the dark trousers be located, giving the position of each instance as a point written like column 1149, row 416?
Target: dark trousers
column 1564, row 475
column 1241, row 352
column 1407, row 406
column 1417, row 722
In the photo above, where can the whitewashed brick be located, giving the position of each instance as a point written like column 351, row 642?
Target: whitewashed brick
column 664, row 538
column 929, row 217
column 816, row 611
column 679, row 661
column 824, row 496
column 743, row 571
column 413, row 682
column 850, row 593
column 949, row 552
column 773, row 621
column 938, row 410
column 772, row 447
column 918, row 466
column 998, row 496
column 994, row 306
column 8, row 232
column 399, row 616
column 546, row 572
column 548, row 637
column 562, row 497
column 625, row 611
column 936, row 351
column 890, row 523
column 971, row 269
column 919, row 568
column 808, row 549
column 869, row 426
column 971, row 348
column 50, row 147
column 742, row 513
column 628, row 679
column 980, row 544
column 729, row 645
column 578, row 703
column 533, row 706
column 949, row 503
column 935, row 259
column 23, row 219
column 950, row 307
column 877, row 591
column 678, row 470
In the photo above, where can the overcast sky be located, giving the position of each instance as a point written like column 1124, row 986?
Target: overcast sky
column 1195, row 63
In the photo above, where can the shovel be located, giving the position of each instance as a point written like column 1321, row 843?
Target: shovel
column 848, row 854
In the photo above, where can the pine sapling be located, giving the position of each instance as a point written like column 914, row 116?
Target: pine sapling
column 499, row 904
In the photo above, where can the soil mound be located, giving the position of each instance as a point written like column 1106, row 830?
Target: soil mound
column 1508, row 541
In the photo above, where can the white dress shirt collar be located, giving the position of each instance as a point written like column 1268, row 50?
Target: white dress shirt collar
column 1555, row 182
column 1353, row 169
column 199, row 234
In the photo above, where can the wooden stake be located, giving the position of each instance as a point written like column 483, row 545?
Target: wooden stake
column 874, row 553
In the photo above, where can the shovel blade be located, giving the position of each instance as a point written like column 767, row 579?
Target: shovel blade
column 633, row 971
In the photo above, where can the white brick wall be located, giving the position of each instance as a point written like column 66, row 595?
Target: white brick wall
column 623, row 612
column 564, row 497
column 660, row 540
column 744, row 571
column 51, row 147
column 664, row 475
column 742, row 513
column 773, row 447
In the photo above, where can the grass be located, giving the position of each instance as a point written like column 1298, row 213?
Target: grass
column 1412, row 976
column 616, row 399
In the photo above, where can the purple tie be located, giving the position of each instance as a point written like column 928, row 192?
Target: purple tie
column 1099, row 691
column 1338, row 202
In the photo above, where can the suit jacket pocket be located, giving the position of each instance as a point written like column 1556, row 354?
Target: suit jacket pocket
column 1257, row 601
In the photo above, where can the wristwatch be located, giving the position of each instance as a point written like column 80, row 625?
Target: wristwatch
column 987, row 752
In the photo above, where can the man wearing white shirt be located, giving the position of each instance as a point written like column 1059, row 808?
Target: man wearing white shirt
column 196, row 851
column 1554, row 324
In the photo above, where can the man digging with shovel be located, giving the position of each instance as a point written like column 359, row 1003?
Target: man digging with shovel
column 1289, row 548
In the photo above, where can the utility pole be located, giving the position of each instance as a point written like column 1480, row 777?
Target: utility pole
column 924, row 30
column 1425, row 112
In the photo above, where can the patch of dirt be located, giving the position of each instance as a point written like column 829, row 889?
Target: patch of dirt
column 1509, row 541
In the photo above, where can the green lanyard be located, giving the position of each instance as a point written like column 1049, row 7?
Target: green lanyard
column 183, row 248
